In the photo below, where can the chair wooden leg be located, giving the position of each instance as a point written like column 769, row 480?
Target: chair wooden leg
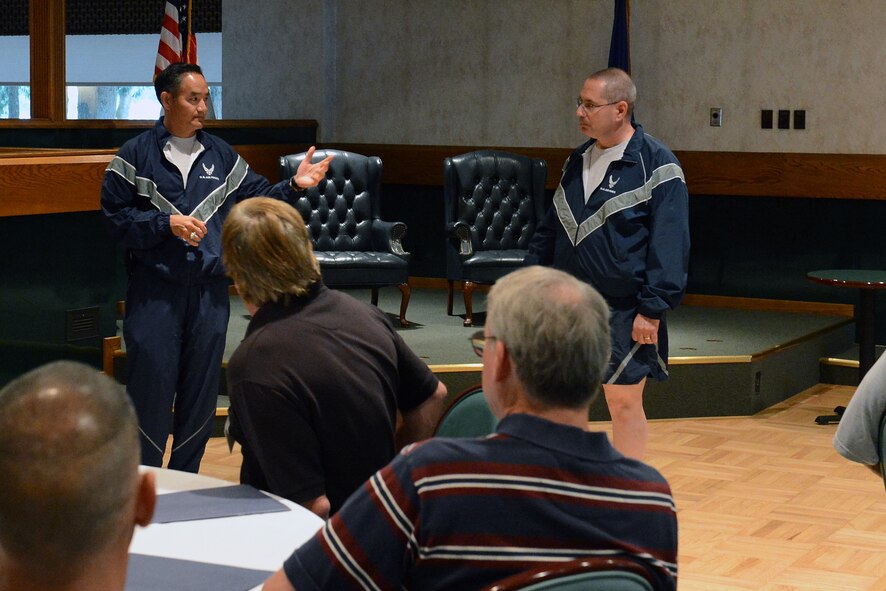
column 404, row 303
column 375, row 296
column 468, row 292
column 449, row 283
column 109, row 346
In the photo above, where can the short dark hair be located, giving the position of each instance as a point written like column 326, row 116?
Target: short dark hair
column 170, row 79
column 618, row 86
column 69, row 455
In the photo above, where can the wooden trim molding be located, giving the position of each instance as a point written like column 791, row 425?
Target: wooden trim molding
column 766, row 174
column 70, row 181
column 752, row 174
column 793, row 306
column 56, row 181
column 149, row 123
column 52, row 184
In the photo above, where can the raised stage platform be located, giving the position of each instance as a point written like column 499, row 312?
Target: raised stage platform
column 725, row 361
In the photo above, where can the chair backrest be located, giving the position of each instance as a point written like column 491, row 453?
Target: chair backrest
column 468, row 415
column 883, row 447
column 340, row 209
column 583, row 574
column 500, row 195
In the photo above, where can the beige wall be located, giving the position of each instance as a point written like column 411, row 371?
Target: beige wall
column 505, row 72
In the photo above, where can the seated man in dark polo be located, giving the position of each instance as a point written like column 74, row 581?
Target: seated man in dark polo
column 318, row 380
column 462, row 513
column 71, row 494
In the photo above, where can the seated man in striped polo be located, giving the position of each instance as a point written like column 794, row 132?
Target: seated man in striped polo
column 463, row 513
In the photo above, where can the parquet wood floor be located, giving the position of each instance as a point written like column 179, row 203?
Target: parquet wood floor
column 764, row 502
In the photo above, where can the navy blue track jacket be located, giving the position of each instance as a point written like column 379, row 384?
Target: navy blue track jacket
column 630, row 240
column 141, row 189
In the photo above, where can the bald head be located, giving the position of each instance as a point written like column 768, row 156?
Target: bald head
column 69, row 456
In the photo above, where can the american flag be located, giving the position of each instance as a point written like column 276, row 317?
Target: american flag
column 177, row 41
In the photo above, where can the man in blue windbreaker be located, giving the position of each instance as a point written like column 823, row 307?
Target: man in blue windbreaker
column 165, row 196
column 620, row 222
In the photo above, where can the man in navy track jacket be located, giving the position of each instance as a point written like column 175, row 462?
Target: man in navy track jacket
column 620, row 222
column 165, row 196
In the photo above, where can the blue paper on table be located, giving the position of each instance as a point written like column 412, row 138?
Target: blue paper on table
column 152, row 573
column 211, row 503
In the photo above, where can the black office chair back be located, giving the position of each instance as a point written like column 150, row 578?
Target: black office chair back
column 498, row 194
column 339, row 210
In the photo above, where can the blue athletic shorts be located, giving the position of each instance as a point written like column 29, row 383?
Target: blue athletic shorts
column 631, row 362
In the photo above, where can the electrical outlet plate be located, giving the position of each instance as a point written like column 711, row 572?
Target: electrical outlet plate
column 716, row 117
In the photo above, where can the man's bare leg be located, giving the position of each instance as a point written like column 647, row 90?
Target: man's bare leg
column 629, row 428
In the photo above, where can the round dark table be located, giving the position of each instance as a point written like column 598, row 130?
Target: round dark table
column 866, row 281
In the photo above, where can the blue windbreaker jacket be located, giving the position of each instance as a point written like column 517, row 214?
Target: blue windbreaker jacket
column 630, row 240
column 141, row 189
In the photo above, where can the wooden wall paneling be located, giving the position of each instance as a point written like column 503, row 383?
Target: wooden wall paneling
column 423, row 165
column 265, row 159
column 51, row 184
column 758, row 174
column 47, row 32
column 61, row 181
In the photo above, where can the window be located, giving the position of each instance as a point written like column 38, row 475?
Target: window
column 15, row 62
column 110, row 49
column 101, row 88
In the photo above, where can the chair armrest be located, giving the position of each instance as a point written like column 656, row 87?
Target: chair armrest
column 388, row 237
column 459, row 234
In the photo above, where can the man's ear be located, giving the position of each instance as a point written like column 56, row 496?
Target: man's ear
column 502, row 366
column 146, row 499
column 166, row 99
column 622, row 108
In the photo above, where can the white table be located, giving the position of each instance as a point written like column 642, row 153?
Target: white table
column 259, row 542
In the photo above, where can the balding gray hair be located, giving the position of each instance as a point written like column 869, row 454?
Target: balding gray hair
column 556, row 330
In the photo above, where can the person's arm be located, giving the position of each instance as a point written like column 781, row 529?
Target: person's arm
column 360, row 540
column 319, row 506
column 667, row 258
column 308, row 175
column 420, row 396
column 276, row 432
column 859, row 429
column 418, row 423
column 541, row 245
column 132, row 219
column 278, row 582
column 188, row 228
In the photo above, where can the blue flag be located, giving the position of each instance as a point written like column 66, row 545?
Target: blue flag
column 620, row 44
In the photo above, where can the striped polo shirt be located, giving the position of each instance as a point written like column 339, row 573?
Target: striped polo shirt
column 462, row 513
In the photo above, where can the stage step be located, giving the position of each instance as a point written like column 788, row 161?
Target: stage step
column 729, row 357
column 842, row 368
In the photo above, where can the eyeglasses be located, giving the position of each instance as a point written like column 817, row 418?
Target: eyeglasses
column 478, row 342
column 588, row 106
